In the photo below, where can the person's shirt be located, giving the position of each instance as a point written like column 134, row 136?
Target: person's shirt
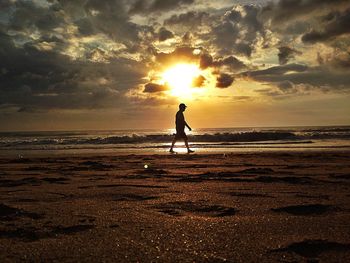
column 180, row 120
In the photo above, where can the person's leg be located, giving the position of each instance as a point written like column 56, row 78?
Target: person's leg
column 188, row 148
column 172, row 144
column 186, row 143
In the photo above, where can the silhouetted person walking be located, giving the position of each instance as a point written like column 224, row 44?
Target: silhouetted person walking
column 180, row 128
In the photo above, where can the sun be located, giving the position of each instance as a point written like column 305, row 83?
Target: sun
column 180, row 79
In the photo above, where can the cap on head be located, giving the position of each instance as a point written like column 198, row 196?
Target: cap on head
column 182, row 106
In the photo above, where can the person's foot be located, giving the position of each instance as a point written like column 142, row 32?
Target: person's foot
column 172, row 151
column 190, row 151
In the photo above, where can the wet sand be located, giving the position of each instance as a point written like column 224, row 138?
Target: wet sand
column 242, row 207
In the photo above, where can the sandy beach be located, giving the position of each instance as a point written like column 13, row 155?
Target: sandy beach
column 242, row 207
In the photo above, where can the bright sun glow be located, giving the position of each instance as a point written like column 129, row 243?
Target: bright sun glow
column 180, row 79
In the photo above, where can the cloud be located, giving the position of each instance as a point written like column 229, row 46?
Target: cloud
column 338, row 23
column 323, row 77
column 83, row 54
column 339, row 60
column 154, row 88
column 291, row 10
column 276, row 70
column 152, row 6
column 287, row 89
column 311, row 21
column 224, row 80
column 164, row 34
column 36, row 78
column 206, row 60
column 286, row 53
column 190, row 20
column 89, row 54
column 231, row 62
column 6, row 3
column 342, row 61
column 286, row 85
column 108, row 17
column 27, row 16
column 198, row 81
column 180, row 54
column 238, row 31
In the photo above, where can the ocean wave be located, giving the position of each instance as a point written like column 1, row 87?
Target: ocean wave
column 157, row 138
column 222, row 138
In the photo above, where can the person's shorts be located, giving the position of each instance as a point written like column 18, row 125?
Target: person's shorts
column 180, row 135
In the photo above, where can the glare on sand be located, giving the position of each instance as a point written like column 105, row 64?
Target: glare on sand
column 180, row 79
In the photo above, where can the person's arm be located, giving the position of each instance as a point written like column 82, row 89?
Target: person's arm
column 188, row 126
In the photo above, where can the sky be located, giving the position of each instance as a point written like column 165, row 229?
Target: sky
column 127, row 64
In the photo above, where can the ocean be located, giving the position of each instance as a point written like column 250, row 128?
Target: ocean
column 205, row 140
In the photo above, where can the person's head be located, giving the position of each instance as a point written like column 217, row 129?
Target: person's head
column 182, row 107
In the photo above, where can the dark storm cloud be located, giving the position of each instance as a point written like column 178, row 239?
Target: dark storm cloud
column 5, row 3
column 151, row 6
column 224, row 80
column 109, row 17
column 312, row 20
column 190, row 19
column 28, row 15
column 90, row 17
column 285, row 89
column 85, row 26
column 206, row 60
column 44, row 63
column 286, row 53
column 164, row 34
column 37, row 79
column 238, row 31
column 289, row 10
column 277, row 70
column 233, row 63
column 320, row 77
column 337, row 24
column 154, row 88
column 286, row 86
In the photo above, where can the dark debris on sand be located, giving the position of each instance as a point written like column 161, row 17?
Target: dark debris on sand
column 313, row 248
column 311, row 209
column 8, row 213
column 179, row 208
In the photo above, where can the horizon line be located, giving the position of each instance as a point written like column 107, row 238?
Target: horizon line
column 155, row 129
